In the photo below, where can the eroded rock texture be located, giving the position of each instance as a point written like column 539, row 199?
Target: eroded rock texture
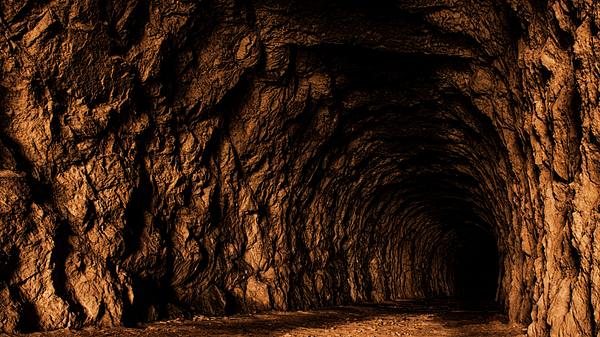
column 161, row 158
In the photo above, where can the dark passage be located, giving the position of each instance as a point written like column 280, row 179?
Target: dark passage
column 475, row 263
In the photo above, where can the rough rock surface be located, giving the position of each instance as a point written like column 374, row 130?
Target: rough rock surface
column 166, row 158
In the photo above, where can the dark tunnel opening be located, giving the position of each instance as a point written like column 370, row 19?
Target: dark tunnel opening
column 476, row 267
column 461, row 256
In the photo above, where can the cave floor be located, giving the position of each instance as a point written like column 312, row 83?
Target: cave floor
column 405, row 318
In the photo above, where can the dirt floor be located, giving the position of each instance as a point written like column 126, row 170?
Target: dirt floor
column 410, row 318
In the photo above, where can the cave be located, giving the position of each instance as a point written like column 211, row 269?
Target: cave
column 165, row 159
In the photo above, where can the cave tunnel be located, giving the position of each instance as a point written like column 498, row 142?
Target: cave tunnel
column 424, row 161
column 165, row 159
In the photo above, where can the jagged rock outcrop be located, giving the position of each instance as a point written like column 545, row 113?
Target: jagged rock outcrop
column 162, row 158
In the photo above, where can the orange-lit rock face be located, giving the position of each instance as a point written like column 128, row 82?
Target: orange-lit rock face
column 160, row 158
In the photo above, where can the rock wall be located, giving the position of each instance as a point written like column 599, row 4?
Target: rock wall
column 165, row 158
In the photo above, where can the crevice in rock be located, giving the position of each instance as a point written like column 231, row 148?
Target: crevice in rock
column 60, row 253
column 29, row 318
